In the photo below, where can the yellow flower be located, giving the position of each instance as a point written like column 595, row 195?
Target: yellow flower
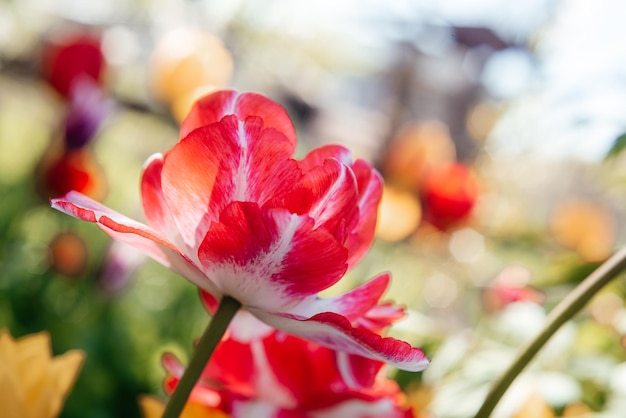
column 33, row 384
column 152, row 407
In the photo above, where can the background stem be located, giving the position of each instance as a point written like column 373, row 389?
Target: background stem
column 204, row 350
column 564, row 311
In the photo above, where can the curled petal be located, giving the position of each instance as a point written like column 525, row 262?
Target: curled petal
column 133, row 233
column 154, row 207
column 381, row 316
column 82, row 207
column 327, row 193
column 354, row 304
column 335, row 331
column 317, row 156
column 263, row 258
column 213, row 107
column 370, row 189
column 369, row 186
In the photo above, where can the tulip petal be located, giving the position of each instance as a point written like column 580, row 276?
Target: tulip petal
column 187, row 179
column 370, row 187
column 309, row 370
column 255, row 163
column 327, row 193
column 223, row 162
column 154, row 205
column 356, row 371
column 213, row 107
column 134, row 234
column 82, row 207
column 381, row 316
column 335, row 331
column 353, row 305
column 318, row 155
column 270, row 257
column 209, row 109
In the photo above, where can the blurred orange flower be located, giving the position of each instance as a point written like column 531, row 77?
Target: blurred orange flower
column 585, row 226
column 399, row 214
column 188, row 63
column 416, row 149
column 68, row 254
column 33, row 384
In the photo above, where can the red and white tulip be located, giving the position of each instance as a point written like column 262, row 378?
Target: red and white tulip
column 231, row 210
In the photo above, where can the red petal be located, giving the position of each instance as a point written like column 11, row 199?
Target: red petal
column 381, row 316
column 287, row 370
column 328, row 194
column 213, row 107
column 224, row 162
column 255, row 163
column 357, row 371
column 209, row 109
column 308, row 370
column 133, row 233
column 270, row 169
column 370, row 187
column 154, row 206
column 187, row 180
column 266, row 258
column 209, row 301
column 232, row 364
column 354, row 304
column 335, row 331
column 317, row 156
column 75, row 56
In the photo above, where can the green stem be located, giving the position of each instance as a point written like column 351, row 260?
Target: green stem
column 204, row 350
column 564, row 311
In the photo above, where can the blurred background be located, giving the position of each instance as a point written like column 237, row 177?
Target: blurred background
column 498, row 127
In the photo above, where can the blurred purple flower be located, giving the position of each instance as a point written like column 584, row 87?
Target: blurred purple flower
column 88, row 109
column 120, row 264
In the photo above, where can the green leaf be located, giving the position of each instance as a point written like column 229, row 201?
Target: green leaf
column 618, row 146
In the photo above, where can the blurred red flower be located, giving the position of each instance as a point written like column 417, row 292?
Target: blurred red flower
column 71, row 57
column 71, row 170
